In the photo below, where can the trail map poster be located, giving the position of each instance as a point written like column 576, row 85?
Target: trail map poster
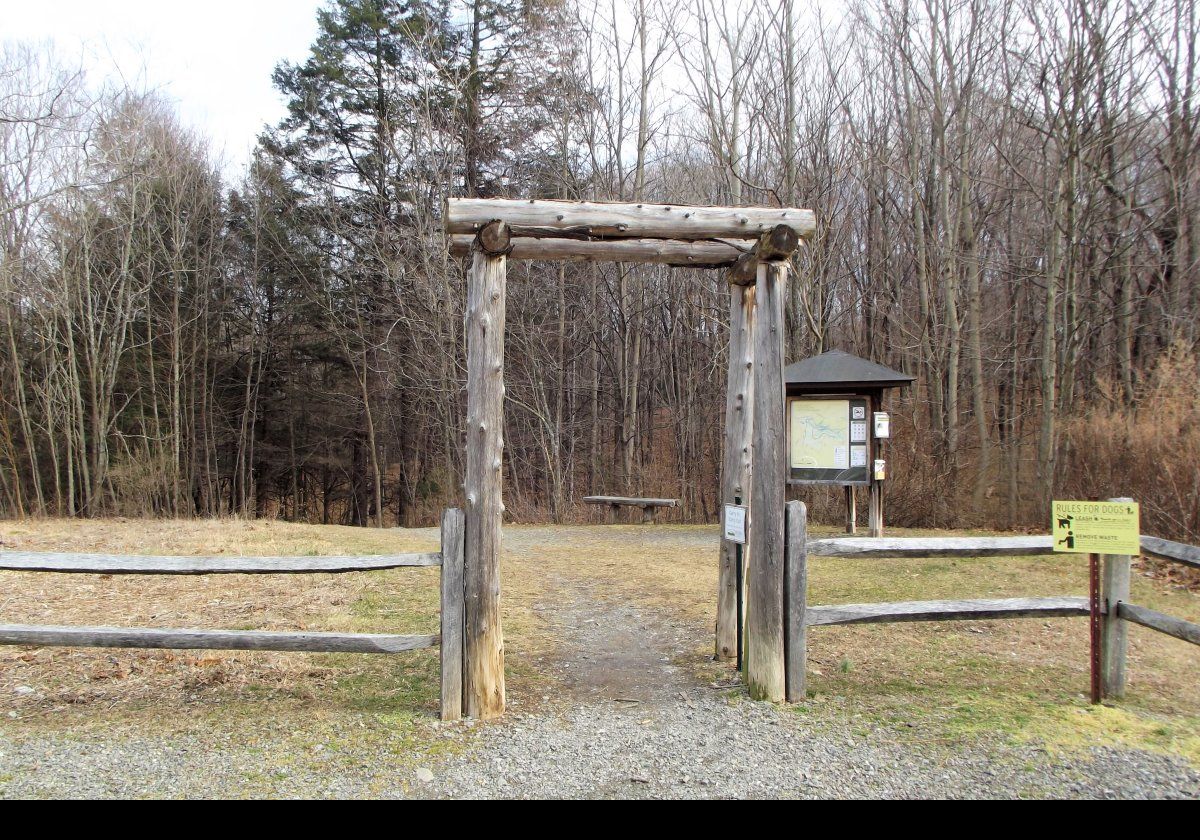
column 820, row 434
column 827, row 441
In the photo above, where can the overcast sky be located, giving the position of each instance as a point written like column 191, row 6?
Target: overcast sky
column 214, row 57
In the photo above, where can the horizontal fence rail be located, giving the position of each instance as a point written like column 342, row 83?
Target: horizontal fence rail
column 1163, row 623
column 964, row 610
column 1114, row 607
column 931, row 546
column 449, row 560
column 112, row 564
column 1160, row 549
column 173, row 639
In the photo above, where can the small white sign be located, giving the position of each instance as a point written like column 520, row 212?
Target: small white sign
column 858, row 431
column 881, row 470
column 883, row 425
column 735, row 524
column 858, row 412
column 858, row 456
column 841, row 457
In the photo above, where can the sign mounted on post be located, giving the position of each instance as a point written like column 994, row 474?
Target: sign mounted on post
column 1096, row 527
column 883, row 425
column 735, row 524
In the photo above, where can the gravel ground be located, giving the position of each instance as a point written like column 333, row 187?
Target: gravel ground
column 704, row 747
column 698, row 746
column 629, row 724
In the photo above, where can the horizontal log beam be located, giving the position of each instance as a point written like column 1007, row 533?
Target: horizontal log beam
column 132, row 637
column 1188, row 555
column 931, row 546
column 105, row 564
column 703, row 254
column 972, row 610
column 543, row 218
column 630, row 500
column 1163, row 623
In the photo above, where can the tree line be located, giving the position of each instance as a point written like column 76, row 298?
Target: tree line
column 1006, row 196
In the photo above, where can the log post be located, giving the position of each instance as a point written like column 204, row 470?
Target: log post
column 648, row 515
column 764, row 648
column 851, row 510
column 796, row 589
column 483, row 643
column 735, row 467
column 453, row 524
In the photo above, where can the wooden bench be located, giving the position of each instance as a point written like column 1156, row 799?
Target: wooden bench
column 649, row 506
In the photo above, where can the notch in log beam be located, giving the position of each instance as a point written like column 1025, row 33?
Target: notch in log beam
column 779, row 243
column 494, row 239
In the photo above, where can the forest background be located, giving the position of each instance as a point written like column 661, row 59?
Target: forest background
column 1007, row 198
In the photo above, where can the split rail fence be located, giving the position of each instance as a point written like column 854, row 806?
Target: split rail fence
column 1115, row 608
column 450, row 639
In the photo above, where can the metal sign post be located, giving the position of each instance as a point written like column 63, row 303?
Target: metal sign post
column 1094, row 621
column 735, row 531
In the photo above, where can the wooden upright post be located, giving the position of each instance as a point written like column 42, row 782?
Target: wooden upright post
column 796, row 594
column 483, row 643
column 452, row 613
column 875, row 508
column 875, row 491
column 1114, row 631
column 851, row 510
column 735, row 469
column 764, row 642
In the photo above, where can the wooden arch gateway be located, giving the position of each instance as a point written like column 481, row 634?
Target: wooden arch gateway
column 754, row 244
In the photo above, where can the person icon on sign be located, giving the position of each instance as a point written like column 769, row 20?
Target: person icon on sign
column 1069, row 539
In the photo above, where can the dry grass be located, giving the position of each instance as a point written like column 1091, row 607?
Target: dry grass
column 1020, row 679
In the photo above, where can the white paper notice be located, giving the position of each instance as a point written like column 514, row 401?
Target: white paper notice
column 858, row 456
column 858, row 431
column 840, row 459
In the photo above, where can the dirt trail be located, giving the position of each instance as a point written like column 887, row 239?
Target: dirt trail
column 612, row 651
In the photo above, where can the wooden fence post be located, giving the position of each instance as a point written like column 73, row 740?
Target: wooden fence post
column 1114, row 632
column 1114, row 635
column 796, row 574
column 483, row 639
column 453, row 524
column 764, row 621
column 736, row 468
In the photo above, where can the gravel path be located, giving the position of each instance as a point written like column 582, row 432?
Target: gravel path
column 632, row 725
column 644, row 729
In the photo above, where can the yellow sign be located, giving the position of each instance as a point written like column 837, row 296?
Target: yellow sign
column 1096, row 527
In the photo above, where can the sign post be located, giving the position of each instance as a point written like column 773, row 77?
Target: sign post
column 1095, row 528
column 735, row 531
